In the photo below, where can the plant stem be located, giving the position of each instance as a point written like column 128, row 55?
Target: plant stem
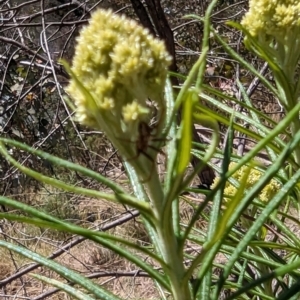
column 167, row 241
column 295, row 127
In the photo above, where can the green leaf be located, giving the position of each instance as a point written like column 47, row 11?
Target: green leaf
column 185, row 139
column 109, row 241
column 65, row 164
column 142, row 206
column 75, row 293
column 270, row 207
column 61, row 270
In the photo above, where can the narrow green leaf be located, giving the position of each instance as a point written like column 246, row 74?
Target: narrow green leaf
column 104, row 239
column 75, row 293
column 189, row 80
column 228, row 249
column 231, row 206
column 61, row 270
column 65, row 164
column 185, row 140
column 292, row 293
column 244, row 63
column 142, row 206
column 285, row 93
column 282, row 194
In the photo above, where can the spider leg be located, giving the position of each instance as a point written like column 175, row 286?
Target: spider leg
column 143, row 152
column 152, row 165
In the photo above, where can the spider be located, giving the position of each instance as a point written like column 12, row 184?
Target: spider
column 142, row 144
column 145, row 137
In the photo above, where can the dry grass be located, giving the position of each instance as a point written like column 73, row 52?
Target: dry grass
column 86, row 258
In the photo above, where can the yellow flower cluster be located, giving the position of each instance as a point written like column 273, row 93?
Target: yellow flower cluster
column 274, row 34
column 117, row 66
column 276, row 18
column 254, row 175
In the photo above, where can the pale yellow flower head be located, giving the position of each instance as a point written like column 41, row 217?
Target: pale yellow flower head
column 274, row 18
column 118, row 62
column 254, row 175
column 117, row 67
column 273, row 28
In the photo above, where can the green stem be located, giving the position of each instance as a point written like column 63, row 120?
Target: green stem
column 295, row 127
column 167, row 241
column 155, row 192
column 174, row 261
